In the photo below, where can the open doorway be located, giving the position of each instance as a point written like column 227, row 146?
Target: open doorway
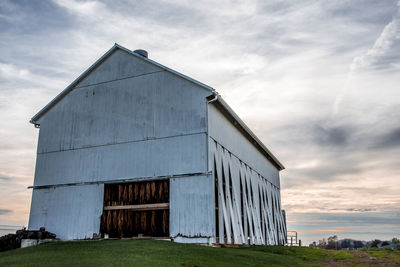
column 136, row 209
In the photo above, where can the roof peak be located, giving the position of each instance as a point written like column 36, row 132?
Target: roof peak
column 70, row 87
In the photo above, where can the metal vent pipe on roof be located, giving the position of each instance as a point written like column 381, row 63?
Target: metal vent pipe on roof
column 142, row 52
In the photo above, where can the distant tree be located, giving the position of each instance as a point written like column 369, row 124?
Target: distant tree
column 385, row 243
column 332, row 242
column 345, row 243
column 375, row 242
column 313, row 244
column 358, row 244
column 396, row 242
column 322, row 243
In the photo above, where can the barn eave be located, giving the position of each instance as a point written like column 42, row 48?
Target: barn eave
column 235, row 119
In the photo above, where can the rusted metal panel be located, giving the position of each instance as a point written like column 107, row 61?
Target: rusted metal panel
column 192, row 209
column 69, row 212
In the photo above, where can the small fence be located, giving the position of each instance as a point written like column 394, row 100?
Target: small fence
column 292, row 239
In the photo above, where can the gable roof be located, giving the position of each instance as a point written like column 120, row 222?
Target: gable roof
column 221, row 103
column 242, row 127
column 116, row 46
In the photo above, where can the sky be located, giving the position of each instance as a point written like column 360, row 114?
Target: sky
column 317, row 81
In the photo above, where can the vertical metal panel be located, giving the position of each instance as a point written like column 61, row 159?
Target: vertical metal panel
column 237, row 211
column 261, row 212
column 192, row 209
column 72, row 212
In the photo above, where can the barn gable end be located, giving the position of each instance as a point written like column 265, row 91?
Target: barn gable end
column 137, row 122
column 119, row 65
column 129, row 130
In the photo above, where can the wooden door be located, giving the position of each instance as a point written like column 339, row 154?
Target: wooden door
column 138, row 208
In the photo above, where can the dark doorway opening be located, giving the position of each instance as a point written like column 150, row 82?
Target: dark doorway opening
column 136, row 209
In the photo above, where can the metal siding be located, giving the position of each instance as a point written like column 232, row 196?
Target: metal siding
column 146, row 107
column 119, row 65
column 192, row 209
column 226, row 134
column 261, row 212
column 71, row 212
column 167, row 156
column 150, row 125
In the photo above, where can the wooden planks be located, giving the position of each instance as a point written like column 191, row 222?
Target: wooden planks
column 157, row 206
column 139, row 208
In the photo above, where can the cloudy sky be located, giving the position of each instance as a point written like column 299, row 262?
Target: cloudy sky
column 317, row 81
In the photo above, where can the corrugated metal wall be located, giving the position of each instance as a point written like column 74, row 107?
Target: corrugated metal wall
column 72, row 212
column 248, row 208
column 128, row 119
column 227, row 135
column 192, row 218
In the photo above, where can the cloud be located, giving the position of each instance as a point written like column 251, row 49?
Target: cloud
column 4, row 211
column 4, row 178
column 390, row 140
column 81, row 8
column 332, row 136
column 361, row 210
column 384, row 54
column 327, row 231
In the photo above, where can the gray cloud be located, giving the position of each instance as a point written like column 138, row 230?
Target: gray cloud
column 384, row 54
column 332, row 136
column 390, row 140
column 329, row 170
column 359, row 210
column 4, row 178
column 4, row 211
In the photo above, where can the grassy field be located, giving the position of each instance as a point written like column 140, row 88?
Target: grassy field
column 163, row 253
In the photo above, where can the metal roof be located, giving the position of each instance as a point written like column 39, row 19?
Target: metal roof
column 231, row 115
column 221, row 103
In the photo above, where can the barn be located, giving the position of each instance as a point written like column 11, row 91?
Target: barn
column 133, row 148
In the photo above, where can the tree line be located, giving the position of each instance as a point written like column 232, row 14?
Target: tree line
column 333, row 242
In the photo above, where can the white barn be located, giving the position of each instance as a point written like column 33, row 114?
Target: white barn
column 132, row 148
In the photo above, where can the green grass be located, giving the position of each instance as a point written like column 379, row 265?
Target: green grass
column 163, row 253
column 385, row 254
column 344, row 257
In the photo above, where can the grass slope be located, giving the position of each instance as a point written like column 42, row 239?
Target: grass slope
column 163, row 253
